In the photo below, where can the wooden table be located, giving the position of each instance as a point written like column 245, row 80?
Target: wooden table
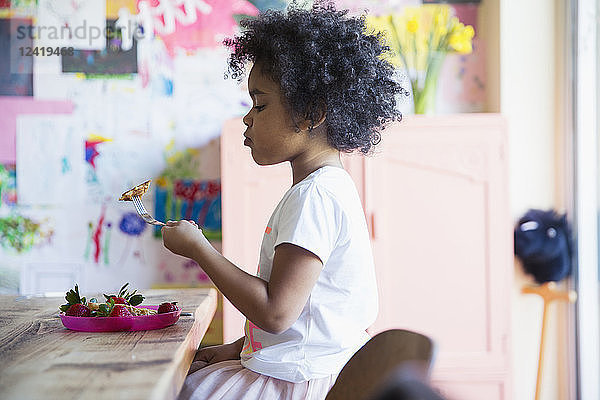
column 41, row 359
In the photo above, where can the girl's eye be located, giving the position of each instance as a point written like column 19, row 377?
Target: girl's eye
column 259, row 108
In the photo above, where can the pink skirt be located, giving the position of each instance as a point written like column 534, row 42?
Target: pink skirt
column 230, row 380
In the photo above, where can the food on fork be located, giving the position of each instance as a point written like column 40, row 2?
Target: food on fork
column 137, row 191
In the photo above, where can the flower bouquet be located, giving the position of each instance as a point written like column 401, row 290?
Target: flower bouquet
column 420, row 38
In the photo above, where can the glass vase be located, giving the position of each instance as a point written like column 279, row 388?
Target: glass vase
column 425, row 85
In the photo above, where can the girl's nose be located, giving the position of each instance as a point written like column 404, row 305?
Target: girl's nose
column 247, row 119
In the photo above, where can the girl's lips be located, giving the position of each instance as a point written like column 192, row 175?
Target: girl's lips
column 247, row 142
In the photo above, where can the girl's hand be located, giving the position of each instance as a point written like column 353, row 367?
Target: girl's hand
column 214, row 354
column 183, row 238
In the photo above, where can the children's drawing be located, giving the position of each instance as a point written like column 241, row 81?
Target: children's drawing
column 21, row 234
column 97, row 234
column 8, row 185
column 156, row 68
column 18, row 7
column 186, row 24
column 113, row 7
column 10, row 108
column 91, row 148
column 16, row 70
column 95, row 238
column 110, row 60
column 132, row 225
column 71, row 23
column 93, row 187
column 180, row 194
column 50, row 161
column 196, row 200
column 106, row 242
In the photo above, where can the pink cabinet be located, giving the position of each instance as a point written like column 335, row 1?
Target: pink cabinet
column 435, row 196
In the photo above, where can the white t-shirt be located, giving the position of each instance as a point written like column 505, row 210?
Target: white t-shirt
column 322, row 214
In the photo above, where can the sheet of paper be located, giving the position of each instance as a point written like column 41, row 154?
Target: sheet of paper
column 203, row 98
column 50, row 161
column 126, row 162
column 10, row 107
column 72, row 23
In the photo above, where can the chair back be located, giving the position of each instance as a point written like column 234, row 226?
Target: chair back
column 383, row 354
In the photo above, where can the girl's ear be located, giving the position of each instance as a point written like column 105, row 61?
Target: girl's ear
column 306, row 124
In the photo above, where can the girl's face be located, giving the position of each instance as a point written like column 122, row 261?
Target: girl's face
column 271, row 132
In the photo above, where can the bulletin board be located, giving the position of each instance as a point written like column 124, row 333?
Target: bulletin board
column 95, row 98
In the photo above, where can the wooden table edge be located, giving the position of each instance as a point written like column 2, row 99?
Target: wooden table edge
column 171, row 382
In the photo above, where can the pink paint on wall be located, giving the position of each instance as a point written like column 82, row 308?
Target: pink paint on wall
column 10, row 107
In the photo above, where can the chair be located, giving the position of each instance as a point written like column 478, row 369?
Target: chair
column 382, row 355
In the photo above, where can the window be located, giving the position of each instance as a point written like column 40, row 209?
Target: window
column 586, row 179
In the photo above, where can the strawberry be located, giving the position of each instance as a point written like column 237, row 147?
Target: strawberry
column 125, row 297
column 167, row 307
column 78, row 310
column 73, row 299
column 120, row 311
column 119, row 300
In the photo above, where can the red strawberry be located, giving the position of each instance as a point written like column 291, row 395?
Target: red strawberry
column 120, row 311
column 125, row 297
column 78, row 310
column 167, row 307
column 119, row 300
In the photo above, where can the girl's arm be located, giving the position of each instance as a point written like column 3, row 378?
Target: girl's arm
column 272, row 306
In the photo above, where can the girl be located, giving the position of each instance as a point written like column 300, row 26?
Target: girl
column 319, row 86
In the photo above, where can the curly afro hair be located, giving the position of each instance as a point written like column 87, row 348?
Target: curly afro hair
column 326, row 61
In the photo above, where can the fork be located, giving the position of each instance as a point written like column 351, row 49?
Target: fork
column 141, row 210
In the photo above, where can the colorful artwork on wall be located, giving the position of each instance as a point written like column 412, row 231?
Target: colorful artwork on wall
column 55, row 143
column 113, row 7
column 10, row 108
column 132, row 226
column 16, row 68
column 18, row 7
column 69, row 23
column 99, row 238
column 91, row 148
column 8, row 185
column 196, row 200
column 21, row 234
column 187, row 25
column 113, row 59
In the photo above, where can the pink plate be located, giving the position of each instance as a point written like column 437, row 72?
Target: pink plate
column 114, row 324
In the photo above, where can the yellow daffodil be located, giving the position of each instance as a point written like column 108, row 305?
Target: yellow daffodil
column 461, row 39
column 419, row 38
column 412, row 25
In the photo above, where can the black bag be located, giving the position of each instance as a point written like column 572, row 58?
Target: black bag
column 542, row 243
